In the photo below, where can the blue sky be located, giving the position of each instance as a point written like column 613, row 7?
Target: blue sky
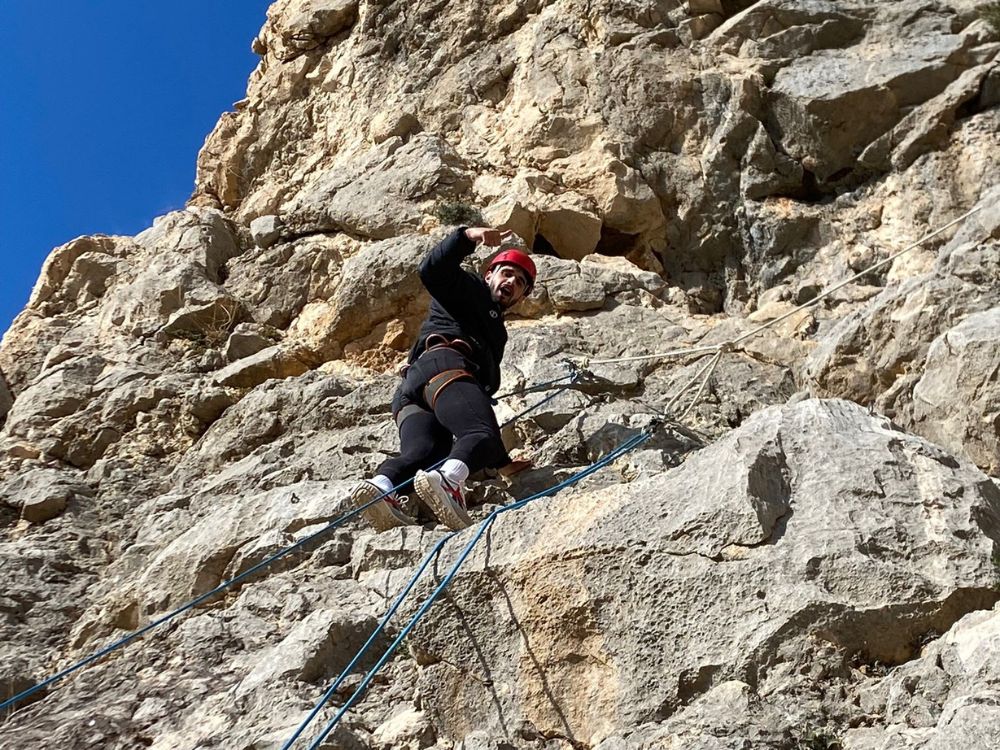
column 103, row 107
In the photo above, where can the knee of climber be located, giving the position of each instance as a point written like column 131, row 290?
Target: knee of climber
column 479, row 449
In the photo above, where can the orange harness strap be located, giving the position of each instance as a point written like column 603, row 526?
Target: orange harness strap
column 437, row 341
column 441, row 381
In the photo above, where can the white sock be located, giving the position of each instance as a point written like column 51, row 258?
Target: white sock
column 455, row 471
column 383, row 482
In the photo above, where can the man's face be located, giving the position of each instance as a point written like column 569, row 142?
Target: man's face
column 508, row 284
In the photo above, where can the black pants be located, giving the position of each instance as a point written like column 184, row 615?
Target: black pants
column 462, row 424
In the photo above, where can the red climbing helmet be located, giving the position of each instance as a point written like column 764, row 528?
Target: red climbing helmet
column 516, row 258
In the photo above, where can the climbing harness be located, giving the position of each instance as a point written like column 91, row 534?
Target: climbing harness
column 436, row 341
column 626, row 447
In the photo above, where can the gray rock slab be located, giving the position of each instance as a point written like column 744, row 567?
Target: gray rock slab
column 42, row 494
column 956, row 402
column 317, row 647
column 248, row 339
column 266, row 230
column 273, row 362
column 806, row 517
column 380, row 201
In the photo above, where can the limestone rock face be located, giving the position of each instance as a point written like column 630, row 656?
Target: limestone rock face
column 801, row 555
column 6, row 399
column 945, row 697
column 612, row 623
column 964, row 360
column 882, row 352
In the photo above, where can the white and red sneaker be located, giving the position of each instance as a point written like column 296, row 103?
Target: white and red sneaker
column 445, row 499
column 384, row 514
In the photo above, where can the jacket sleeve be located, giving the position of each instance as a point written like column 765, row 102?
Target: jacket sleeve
column 441, row 271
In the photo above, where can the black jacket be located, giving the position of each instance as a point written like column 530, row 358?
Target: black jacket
column 462, row 307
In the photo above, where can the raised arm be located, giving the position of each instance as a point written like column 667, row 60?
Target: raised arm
column 441, row 271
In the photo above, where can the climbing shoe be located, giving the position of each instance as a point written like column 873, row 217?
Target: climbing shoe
column 384, row 514
column 445, row 500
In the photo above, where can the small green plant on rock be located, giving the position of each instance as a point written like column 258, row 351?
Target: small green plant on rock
column 458, row 213
column 991, row 14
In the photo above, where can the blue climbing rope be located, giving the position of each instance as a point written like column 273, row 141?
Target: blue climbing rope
column 371, row 639
column 413, row 579
column 125, row 640
column 573, row 376
column 573, row 373
column 629, row 445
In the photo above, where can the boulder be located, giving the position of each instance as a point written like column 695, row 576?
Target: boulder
column 565, row 286
column 766, row 171
column 567, row 223
column 247, row 339
column 955, row 401
column 626, row 203
column 789, row 28
column 277, row 361
column 945, row 698
column 698, row 7
column 317, row 648
column 926, row 127
column 514, row 213
column 378, row 196
column 208, row 324
column 811, row 96
column 266, row 230
column 569, row 226
column 392, row 124
column 275, row 284
column 878, row 353
column 813, row 555
column 42, row 494
column 407, row 730
column 377, row 285
column 304, row 25
column 180, row 264
column 77, row 272
column 194, row 554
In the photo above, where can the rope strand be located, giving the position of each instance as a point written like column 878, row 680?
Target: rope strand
column 814, row 301
column 627, row 446
column 875, row 266
column 331, row 691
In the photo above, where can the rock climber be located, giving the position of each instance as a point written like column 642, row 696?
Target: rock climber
column 443, row 407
